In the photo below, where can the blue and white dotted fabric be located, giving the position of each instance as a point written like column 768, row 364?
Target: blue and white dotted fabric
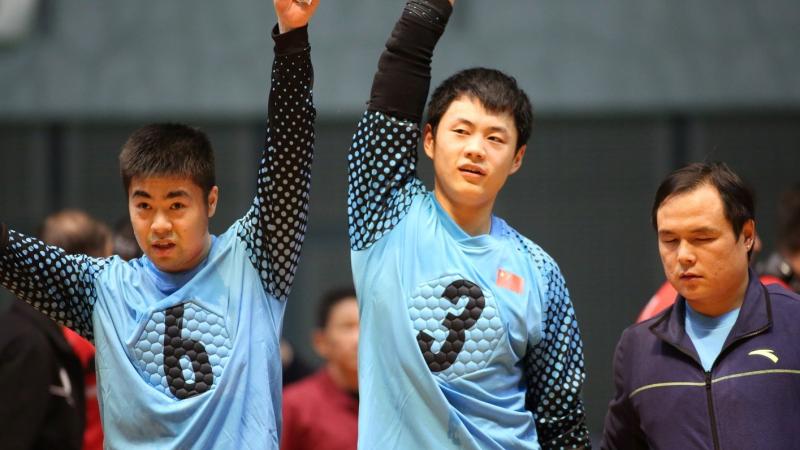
column 192, row 360
column 275, row 225
column 554, row 368
column 59, row 285
column 449, row 357
column 382, row 181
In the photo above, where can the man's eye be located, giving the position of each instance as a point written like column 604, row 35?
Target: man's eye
column 497, row 139
column 177, row 206
column 460, row 131
column 143, row 206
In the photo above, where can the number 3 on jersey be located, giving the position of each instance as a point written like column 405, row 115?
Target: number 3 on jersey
column 456, row 325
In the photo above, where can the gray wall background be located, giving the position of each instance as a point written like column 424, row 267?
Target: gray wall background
column 625, row 91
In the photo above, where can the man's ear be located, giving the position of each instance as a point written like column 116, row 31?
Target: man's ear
column 517, row 163
column 428, row 140
column 749, row 233
column 320, row 344
column 213, row 196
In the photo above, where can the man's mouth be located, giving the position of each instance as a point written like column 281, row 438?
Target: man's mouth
column 163, row 245
column 472, row 169
column 689, row 276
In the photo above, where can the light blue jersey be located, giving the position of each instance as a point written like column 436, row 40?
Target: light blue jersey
column 192, row 360
column 197, row 367
column 708, row 334
column 466, row 342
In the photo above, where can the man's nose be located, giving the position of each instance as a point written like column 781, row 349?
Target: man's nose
column 161, row 224
column 474, row 149
column 686, row 254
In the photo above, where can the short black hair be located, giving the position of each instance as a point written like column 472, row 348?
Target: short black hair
column 789, row 221
column 496, row 91
column 168, row 149
column 737, row 197
column 330, row 299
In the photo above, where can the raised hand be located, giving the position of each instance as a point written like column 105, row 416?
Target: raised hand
column 294, row 13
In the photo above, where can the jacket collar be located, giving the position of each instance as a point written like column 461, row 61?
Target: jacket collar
column 755, row 317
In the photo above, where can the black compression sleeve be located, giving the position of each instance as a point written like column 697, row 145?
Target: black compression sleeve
column 291, row 42
column 400, row 86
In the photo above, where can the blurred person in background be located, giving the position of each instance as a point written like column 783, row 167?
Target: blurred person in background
column 41, row 383
column 719, row 368
column 784, row 264
column 295, row 368
column 78, row 233
column 321, row 411
column 124, row 241
column 47, row 372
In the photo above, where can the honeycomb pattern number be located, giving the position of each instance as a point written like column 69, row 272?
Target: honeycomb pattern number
column 457, row 325
column 183, row 350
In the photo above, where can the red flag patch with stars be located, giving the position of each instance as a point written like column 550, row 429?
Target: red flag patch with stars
column 510, row 281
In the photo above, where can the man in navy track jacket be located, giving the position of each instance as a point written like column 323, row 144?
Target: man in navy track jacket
column 720, row 369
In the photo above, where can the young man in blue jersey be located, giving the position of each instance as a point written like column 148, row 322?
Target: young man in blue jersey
column 468, row 337
column 188, row 335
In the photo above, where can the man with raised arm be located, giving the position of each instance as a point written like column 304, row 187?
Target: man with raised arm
column 187, row 336
column 468, row 336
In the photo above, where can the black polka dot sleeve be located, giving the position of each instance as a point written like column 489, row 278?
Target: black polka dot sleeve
column 382, row 180
column 59, row 285
column 382, row 176
column 554, row 368
column 274, row 227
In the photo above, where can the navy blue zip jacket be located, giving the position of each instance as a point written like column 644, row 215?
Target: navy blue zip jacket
column 749, row 400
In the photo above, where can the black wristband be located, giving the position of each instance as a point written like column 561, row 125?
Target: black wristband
column 435, row 12
column 291, row 42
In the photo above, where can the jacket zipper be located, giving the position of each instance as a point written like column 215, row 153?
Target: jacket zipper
column 711, row 411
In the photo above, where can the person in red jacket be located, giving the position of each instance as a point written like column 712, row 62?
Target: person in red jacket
column 321, row 411
column 784, row 263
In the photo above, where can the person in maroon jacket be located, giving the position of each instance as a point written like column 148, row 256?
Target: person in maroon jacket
column 321, row 411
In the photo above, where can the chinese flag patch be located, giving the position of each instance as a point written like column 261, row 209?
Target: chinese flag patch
column 510, row 281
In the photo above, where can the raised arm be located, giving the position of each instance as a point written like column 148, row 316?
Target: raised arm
column 59, row 285
column 275, row 225
column 383, row 156
column 554, row 369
